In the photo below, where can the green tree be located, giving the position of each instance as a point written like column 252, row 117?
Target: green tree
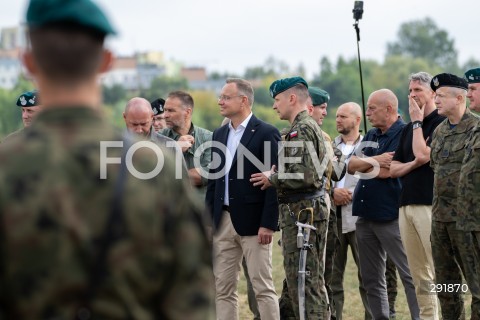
column 113, row 94
column 161, row 86
column 424, row 39
column 470, row 64
column 206, row 112
column 394, row 74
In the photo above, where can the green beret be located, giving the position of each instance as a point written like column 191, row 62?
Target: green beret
column 81, row 12
column 448, row 80
column 318, row 96
column 281, row 85
column 158, row 106
column 473, row 75
column 28, row 99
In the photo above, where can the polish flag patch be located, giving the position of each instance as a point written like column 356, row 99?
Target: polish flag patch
column 293, row 134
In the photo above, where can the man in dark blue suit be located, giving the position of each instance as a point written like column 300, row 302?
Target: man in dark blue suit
column 244, row 216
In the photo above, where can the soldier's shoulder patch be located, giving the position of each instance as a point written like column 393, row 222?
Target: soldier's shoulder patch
column 293, row 134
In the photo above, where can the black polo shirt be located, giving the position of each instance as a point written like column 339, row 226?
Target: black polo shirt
column 417, row 185
column 377, row 199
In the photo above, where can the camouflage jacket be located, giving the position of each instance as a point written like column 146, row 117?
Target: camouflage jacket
column 336, row 168
column 304, row 137
column 446, row 157
column 468, row 200
column 12, row 135
column 54, row 207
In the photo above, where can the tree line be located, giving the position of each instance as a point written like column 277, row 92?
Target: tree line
column 420, row 46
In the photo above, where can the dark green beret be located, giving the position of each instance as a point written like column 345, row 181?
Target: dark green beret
column 28, row 99
column 318, row 96
column 448, row 80
column 473, row 75
column 281, row 85
column 81, row 12
column 157, row 106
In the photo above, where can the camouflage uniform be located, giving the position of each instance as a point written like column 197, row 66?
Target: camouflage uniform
column 335, row 172
column 12, row 135
column 468, row 218
column 53, row 213
column 295, row 195
column 452, row 248
column 392, row 285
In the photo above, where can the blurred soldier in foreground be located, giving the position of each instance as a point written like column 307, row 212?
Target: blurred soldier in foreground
column 82, row 238
column 30, row 104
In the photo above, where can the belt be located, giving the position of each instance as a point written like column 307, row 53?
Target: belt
column 295, row 197
column 226, row 208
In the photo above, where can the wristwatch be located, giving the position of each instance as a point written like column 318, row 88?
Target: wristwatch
column 417, row 124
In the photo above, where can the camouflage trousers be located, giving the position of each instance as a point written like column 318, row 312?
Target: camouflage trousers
column 316, row 299
column 453, row 255
column 392, row 284
column 333, row 242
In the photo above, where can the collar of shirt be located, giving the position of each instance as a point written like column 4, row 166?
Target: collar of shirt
column 242, row 125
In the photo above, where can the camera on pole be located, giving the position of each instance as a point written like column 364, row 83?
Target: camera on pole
column 357, row 15
column 357, row 10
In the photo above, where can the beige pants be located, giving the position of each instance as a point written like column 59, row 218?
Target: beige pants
column 415, row 223
column 229, row 248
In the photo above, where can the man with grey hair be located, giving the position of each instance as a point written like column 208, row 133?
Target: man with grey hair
column 138, row 116
column 452, row 249
column 411, row 163
column 375, row 202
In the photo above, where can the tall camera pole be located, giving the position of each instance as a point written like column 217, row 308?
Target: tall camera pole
column 357, row 15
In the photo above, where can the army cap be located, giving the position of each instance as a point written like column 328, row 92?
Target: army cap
column 80, row 12
column 473, row 75
column 28, row 99
column 318, row 96
column 281, row 85
column 448, row 80
column 157, row 106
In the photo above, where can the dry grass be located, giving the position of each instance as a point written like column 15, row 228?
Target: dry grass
column 353, row 306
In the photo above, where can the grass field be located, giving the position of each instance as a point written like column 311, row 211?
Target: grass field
column 353, row 307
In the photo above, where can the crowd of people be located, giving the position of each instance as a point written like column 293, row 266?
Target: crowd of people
column 77, row 244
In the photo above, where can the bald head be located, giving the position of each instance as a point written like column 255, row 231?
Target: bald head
column 351, row 108
column 382, row 109
column 138, row 116
column 349, row 116
column 387, row 97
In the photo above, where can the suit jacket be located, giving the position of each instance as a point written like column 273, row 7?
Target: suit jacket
column 250, row 207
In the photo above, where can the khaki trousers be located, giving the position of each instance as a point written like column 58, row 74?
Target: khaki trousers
column 415, row 222
column 229, row 248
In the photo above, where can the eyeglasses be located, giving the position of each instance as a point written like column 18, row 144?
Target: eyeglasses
column 227, row 98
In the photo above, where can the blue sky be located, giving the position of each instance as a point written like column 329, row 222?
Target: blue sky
column 226, row 36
